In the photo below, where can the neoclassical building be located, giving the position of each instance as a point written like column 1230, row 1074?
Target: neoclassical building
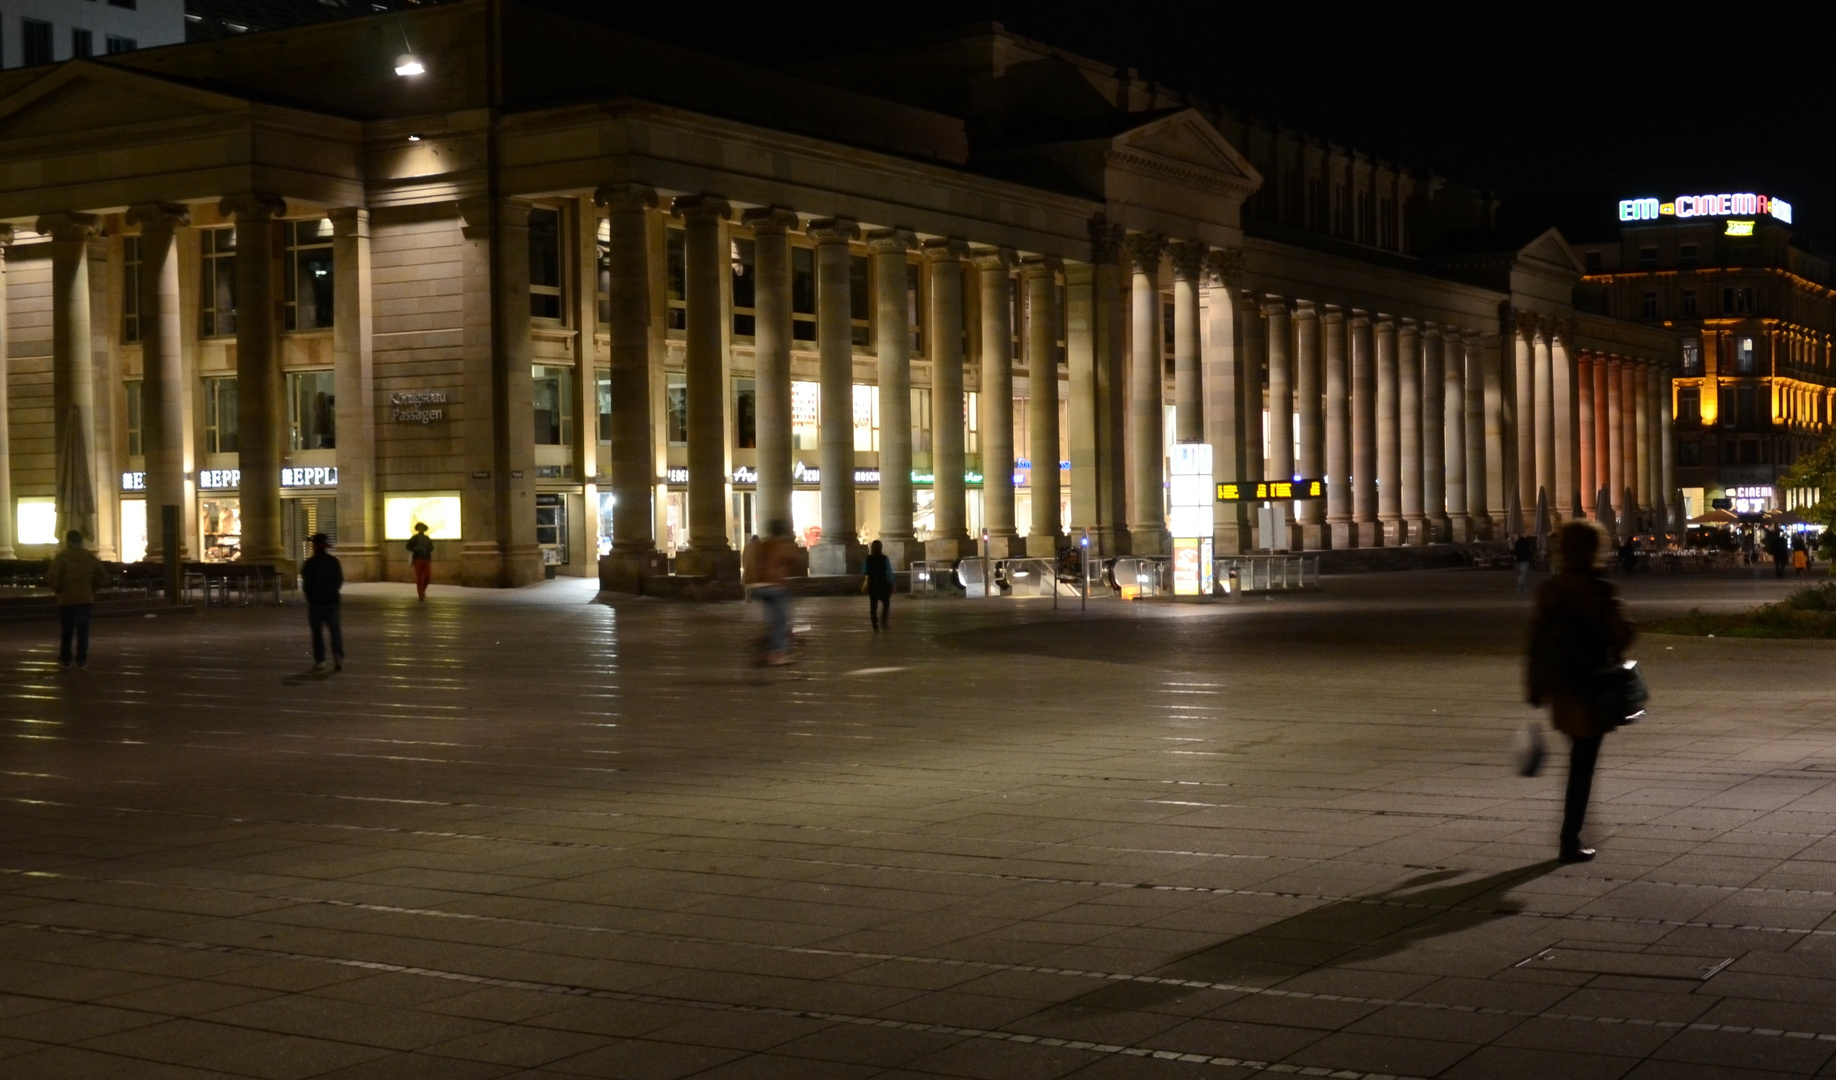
column 560, row 291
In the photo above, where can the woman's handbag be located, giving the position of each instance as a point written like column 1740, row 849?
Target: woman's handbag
column 1620, row 693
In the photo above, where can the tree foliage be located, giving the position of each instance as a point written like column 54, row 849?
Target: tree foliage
column 1817, row 469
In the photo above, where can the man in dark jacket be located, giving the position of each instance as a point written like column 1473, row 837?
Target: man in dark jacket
column 321, row 578
column 877, row 583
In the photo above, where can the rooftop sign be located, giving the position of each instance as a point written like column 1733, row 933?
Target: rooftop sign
column 1692, row 206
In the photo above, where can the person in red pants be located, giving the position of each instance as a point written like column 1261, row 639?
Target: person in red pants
column 420, row 549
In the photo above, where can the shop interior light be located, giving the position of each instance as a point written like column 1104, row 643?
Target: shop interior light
column 406, row 64
column 414, row 138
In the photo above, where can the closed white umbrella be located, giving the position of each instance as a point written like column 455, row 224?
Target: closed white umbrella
column 1542, row 518
column 76, row 481
column 1514, row 516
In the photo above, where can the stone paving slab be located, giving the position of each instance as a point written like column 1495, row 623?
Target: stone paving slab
column 533, row 834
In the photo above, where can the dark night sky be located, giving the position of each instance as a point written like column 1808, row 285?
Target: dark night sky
column 1561, row 108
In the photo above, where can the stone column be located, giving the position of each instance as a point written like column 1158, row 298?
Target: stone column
column 708, row 265
column 1147, row 522
column 73, row 380
column 360, row 510
column 1278, row 329
column 771, row 338
column 1603, row 436
column 498, row 502
column 1523, row 346
column 164, row 440
column 1311, row 460
column 1364, row 431
column 1498, row 436
column 634, row 457
column 1616, row 436
column 893, row 344
column 1223, row 383
column 1642, row 436
column 1434, row 446
column 1046, row 530
column 1628, row 435
column 259, row 383
column 7, row 550
column 1563, row 504
column 1252, row 352
column 1110, row 365
column 1667, row 469
column 1389, row 435
column 1342, row 529
column 1188, row 385
column 1409, row 430
column 1586, row 476
column 1545, row 425
column 944, row 262
column 994, row 268
column 1477, row 423
column 840, row 550
column 1459, row 528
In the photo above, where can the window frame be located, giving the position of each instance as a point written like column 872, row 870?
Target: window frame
column 130, row 289
column 134, row 416
column 563, row 426
column 294, row 254
column 214, row 262
column 214, row 399
column 543, row 296
column 295, row 381
column 36, row 35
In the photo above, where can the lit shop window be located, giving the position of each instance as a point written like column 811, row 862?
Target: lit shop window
column 130, row 288
column 547, row 300
column 308, row 266
column 1743, row 356
column 602, row 395
column 806, row 415
column 220, row 416
column 554, row 422
column 217, row 299
column 866, row 417
column 35, row 521
column 439, row 511
column 972, row 425
column 134, row 418
column 312, row 411
column 1692, row 357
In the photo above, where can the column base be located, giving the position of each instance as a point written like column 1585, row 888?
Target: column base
column 361, row 562
column 625, row 571
column 952, row 550
column 1234, row 539
column 716, row 565
column 902, row 551
column 1395, row 531
column 1419, row 531
column 830, row 559
column 1343, row 535
column 1007, row 547
column 1150, row 542
column 1460, row 529
column 1044, row 546
column 1370, row 534
column 489, row 567
column 1314, row 537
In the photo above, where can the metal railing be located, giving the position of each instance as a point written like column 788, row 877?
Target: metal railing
column 1138, row 577
column 933, row 578
column 1267, row 573
column 1029, row 577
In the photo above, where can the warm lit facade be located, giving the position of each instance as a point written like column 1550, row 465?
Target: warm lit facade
column 570, row 291
column 1756, row 387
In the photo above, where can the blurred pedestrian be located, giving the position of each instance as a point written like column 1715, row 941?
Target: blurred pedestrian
column 75, row 575
column 1523, row 553
column 1580, row 630
column 420, row 554
column 1628, row 556
column 877, row 582
column 1799, row 561
column 321, row 579
column 1775, row 546
column 749, row 561
column 773, row 567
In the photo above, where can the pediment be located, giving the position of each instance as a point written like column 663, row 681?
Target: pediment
column 79, row 97
column 1185, row 139
column 1551, row 249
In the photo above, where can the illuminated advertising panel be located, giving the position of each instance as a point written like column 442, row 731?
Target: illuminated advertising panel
column 1727, row 204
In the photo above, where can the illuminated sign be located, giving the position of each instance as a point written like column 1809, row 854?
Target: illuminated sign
column 1189, row 490
column 133, row 481
column 1692, row 206
column 1739, row 228
column 319, row 476
column 219, row 479
column 1257, row 490
column 422, row 407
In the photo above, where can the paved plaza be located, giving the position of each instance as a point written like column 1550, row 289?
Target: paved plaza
column 528, row 834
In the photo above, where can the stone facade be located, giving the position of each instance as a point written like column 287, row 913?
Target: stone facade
column 581, row 292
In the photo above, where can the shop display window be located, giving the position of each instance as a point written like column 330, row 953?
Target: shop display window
column 133, row 530
column 866, row 417
column 607, row 502
column 439, row 511
column 312, row 411
column 547, row 297
column 220, row 522
column 35, row 521
column 806, row 415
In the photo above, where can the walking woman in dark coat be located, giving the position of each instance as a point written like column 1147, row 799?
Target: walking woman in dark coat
column 1580, row 629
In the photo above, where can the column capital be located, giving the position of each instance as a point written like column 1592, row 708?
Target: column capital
column 349, row 221
column 770, row 220
column 1383, row 319
column 1562, row 330
column 67, row 225
column 159, row 216
column 1223, row 267
column 891, row 241
column 1360, row 317
column 626, row 196
column 1526, row 323
column 1304, row 309
column 1405, row 325
column 1273, row 305
column 1332, row 313
column 1144, row 252
column 1105, row 241
column 994, row 258
column 946, row 249
column 1430, row 329
column 836, row 230
column 700, row 207
column 1188, row 260
column 252, row 205
column 1034, row 266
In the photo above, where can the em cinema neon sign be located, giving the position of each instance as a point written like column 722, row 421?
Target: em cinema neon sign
column 1690, row 206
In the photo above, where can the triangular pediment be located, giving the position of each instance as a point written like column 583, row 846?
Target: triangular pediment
column 1551, row 249
column 79, row 97
column 1186, row 138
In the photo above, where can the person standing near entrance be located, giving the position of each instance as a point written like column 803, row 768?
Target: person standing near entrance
column 321, row 579
column 877, row 583
column 1579, row 631
column 1523, row 553
column 420, row 551
column 75, row 575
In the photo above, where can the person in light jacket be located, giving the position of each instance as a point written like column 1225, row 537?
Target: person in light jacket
column 75, row 575
column 1580, row 628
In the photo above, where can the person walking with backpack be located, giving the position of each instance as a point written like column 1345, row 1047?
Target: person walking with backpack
column 75, row 575
column 877, row 582
column 1578, row 636
column 420, row 551
column 321, row 579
